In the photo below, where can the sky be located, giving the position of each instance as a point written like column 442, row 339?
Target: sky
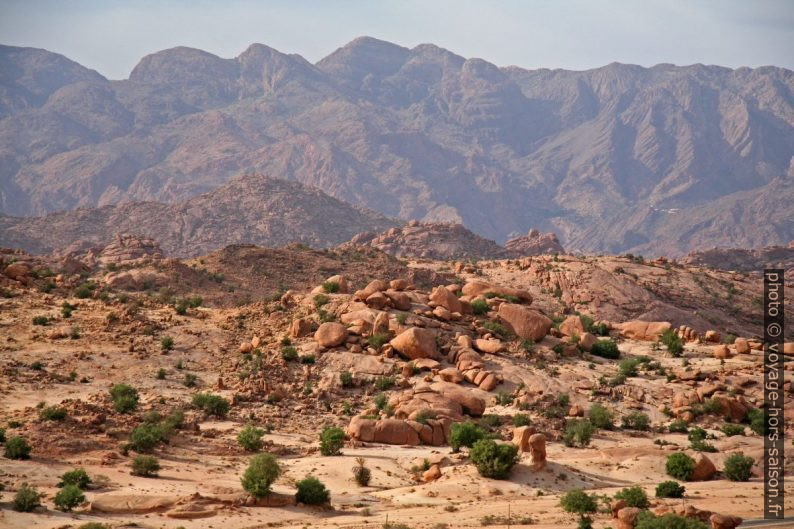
column 111, row 36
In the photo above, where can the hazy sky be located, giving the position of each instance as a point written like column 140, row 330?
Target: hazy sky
column 112, row 35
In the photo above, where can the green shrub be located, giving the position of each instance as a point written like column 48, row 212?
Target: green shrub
column 628, row 367
column 190, row 380
column 68, row 498
column 160, row 374
column 634, row 497
column 636, row 421
column 757, row 419
column 678, row 426
column 385, row 383
column 330, row 287
column 145, row 466
column 146, row 436
column 381, row 400
column 346, row 379
column 521, row 419
column 53, row 413
column 361, row 473
column 600, row 417
column 670, row 489
column 41, row 320
column 673, row 342
column 680, row 466
column 648, row 520
column 378, row 340
column 464, row 434
column 578, row 433
column 93, row 525
column 166, row 343
column 480, row 307
column 605, row 349
column 211, row 404
column 498, row 329
column 262, row 471
column 289, row 353
column 125, row 398
column 27, row 498
column 84, row 291
column 250, row 438
column 307, row 359
column 578, row 502
column 77, row 477
column 696, row 434
column 320, row 300
column 311, row 491
column 331, row 441
column 17, row 448
column 738, row 467
column 180, row 307
column 424, row 416
column 493, row 460
column 732, row 429
column 2, row 435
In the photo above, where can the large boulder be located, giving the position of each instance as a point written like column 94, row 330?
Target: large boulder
column 572, row 326
column 481, row 288
column 469, row 402
column 525, row 322
column 442, row 297
column 704, row 468
column 643, row 330
column 627, row 517
column 537, row 451
column 724, row 521
column 18, row 272
column 415, row 343
column 331, row 334
column 721, row 352
column 521, row 437
column 741, row 346
column 340, row 280
column 395, row 432
column 300, row 327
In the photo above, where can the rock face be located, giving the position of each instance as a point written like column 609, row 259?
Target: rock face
column 481, row 288
column 534, row 243
column 525, row 322
column 643, row 330
column 415, row 343
column 127, row 249
column 331, row 334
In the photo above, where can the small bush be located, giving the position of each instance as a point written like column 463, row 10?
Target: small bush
column 600, row 417
column 385, row 383
column 494, row 460
column 381, row 400
column 166, row 343
column 27, row 498
column 289, row 353
column 320, row 300
column 673, row 342
column 578, row 502
column 262, row 471
column 77, row 477
column 346, row 379
column 211, row 404
column 732, row 429
column 670, row 489
column 160, row 374
column 648, row 520
column 361, row 473
column 680, row 466
column 330, row 287
column 521, row 419
column 498, row 329
column 480, row 307
column 634, row 497
column 68, row 498
column 605, row 349
column 738, row 467
column 464, row 434
column 145, row 466
column 678, row 426
column 17, row 448
column 307, row 359
column 190, row 380
column 53, row 413
column 250, row 438
column 378, row 340
column 636, row 421
column 41, row 320
column 125, row 398
column 84, row 291
column 757, row 420
column 331, row 441
column 628, row 367
column 311, row 491
column 578, row 433
column 145, row 437
column 2, row 435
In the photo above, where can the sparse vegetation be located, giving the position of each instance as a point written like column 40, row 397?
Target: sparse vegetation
column 605, row 349
column 464, row 434
column 145, row 466
column 262, row 471
column 634, row 497
column 361, row 473
column 578, row 432
column 27, row 498
column 680, row 466
column 331, row 441
column 636, row 421
column 311, row 491
column 17, row 447
column 125, row 398
column 250, row 438
column 600, row 417
column 69, row 497
column 77, row 477
column 738, row 467
column 493, row 460
column 211, row 404
column 670, row 489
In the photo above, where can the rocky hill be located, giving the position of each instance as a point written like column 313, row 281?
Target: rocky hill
column 752, row 260
column 661, row 160
column 251, row 209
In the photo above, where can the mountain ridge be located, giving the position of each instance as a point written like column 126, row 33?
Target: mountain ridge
column 424, row 133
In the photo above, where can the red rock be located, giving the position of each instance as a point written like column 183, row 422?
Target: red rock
column 704, row 468
column 444, row 298
column 331, row 334
column 415, row 343
column 572, row 326
column 643, row 330
column 525, row 322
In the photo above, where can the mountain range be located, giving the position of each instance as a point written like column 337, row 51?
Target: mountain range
column 660, row 160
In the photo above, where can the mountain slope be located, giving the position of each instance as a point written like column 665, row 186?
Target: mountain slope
column 251, row 209
column 620, row 158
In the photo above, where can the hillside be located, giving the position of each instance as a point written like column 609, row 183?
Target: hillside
column 251, row 209
column 661, row 160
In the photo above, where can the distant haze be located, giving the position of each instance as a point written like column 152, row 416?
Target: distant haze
column 111, row 36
